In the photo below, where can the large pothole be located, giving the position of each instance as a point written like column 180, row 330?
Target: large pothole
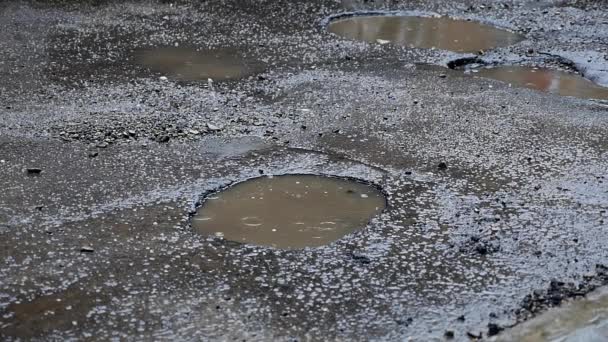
column 547, row 80
column 191, row 64
column 290, row 211
column 424, row 32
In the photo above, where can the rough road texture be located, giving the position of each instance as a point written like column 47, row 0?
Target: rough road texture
column 493, row 191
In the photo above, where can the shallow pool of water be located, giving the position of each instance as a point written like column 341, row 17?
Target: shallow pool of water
column 547, row 80
column 289, row 212
column 191, row 64
column 421, row 32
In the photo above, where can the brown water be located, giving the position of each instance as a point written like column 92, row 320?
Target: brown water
column 584, row 320
column 191, row 65
column 62, row 311
column 441, row 33
column 289, row 212
column 551, row 81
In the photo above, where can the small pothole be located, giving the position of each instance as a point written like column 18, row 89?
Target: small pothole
column 289, row 211
column 191, row 65
column 547, row 80
column 424, row 32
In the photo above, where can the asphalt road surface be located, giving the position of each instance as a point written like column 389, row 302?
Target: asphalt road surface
column 497, row 196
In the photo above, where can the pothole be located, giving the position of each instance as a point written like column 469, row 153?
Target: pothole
column 582, row 320
column 43, row 314
column 191, row 65
column 422, row 32
column 547, row 80
column 290, row 211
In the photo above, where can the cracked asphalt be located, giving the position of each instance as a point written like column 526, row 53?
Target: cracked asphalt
column 497, row 196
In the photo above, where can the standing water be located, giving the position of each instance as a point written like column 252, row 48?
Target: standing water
column 192, row 65
column 547, row 80
column 289, row 212
column 421, row 32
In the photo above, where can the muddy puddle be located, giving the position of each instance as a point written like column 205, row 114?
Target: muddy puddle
column 584, row 320
column 289, row 212
column 420, row 32
column 64, row 310
column 191, row 65
column 547, row 80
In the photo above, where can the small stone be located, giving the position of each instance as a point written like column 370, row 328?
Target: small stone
column 34, row 171
column 163, row 139
column 443, row 75
column 481, row 249
column 163, row 78
column 449, row 334
column 361, row 258
column 474, row 337
column 494, row 329
column 442, row 166
column 382, row 41
column 93, row 154
column 86, row 249
column 102, row 144
column 213, row 127
column 132, row 132
column 194, row 132
column 460, row 318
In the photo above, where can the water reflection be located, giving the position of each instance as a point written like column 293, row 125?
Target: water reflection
column 191, row 65
column 547, row 80
column 441, row 33
column 293, row 211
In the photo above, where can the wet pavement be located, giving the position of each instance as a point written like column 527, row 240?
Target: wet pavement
column 496, row 196
column 582, row 320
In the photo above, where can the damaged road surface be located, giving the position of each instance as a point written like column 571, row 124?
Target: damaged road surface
column 436, row 203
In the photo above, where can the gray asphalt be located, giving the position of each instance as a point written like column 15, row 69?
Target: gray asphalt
column 103, row 162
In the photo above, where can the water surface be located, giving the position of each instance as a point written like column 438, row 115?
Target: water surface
column 547, row 80
column 292, row 211
column 421, row 32
column 191, row 64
